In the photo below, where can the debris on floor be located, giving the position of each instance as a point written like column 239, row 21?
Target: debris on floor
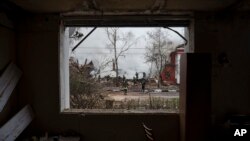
column 47, row 137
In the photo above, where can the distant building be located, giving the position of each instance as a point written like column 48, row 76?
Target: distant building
column 171, row 73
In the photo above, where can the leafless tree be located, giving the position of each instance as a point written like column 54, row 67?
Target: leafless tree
column 158, row 50
column 119, row 43
column 101, row 63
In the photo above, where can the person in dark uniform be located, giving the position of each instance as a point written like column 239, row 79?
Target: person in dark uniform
column 143, row 83
column 144, row 75
column 123, row 78
column 136, row 76
column 125, row 87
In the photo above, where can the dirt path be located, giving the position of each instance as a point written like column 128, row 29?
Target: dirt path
column 119, row 96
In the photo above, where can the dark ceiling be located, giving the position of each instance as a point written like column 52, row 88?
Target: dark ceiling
column 59, row 6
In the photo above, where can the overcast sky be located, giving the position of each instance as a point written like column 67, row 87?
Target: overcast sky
column 95, row 48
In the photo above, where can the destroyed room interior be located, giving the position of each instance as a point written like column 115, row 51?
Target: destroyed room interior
column 124, row 70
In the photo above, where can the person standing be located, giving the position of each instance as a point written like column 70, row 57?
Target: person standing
column 144, row 75
column 143, row 83
column 125, row 87
column 123, row 78
column 136, row 76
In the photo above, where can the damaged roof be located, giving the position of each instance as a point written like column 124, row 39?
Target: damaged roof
column 150, row 6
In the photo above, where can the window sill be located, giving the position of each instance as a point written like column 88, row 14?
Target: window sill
column 118, row 112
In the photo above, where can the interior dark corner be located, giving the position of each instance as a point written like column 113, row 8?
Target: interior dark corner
column 91, row 70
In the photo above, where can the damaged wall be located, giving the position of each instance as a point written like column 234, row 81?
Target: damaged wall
column 226, row 34
column 38, row 47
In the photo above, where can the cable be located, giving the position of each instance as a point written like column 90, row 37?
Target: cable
column 84, row 38
column 186, row 41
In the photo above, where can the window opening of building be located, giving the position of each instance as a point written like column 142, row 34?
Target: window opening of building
column 124, row 69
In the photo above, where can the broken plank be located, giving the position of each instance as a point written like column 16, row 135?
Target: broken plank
column 8, row 82
column 15, row 126
column 5, row 77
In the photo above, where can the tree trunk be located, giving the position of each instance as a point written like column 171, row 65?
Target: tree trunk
column 116, row 59
column 158, row 85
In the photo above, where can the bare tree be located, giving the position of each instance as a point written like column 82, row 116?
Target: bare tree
column 101, row 63
column 119, row 43
column 157, row 50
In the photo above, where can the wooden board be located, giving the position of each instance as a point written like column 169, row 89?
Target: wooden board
column 14, row 127
column 8, row 82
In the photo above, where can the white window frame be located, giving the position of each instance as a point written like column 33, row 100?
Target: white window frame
column 64, row 69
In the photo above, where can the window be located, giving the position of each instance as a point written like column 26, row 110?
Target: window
column 122, row 68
